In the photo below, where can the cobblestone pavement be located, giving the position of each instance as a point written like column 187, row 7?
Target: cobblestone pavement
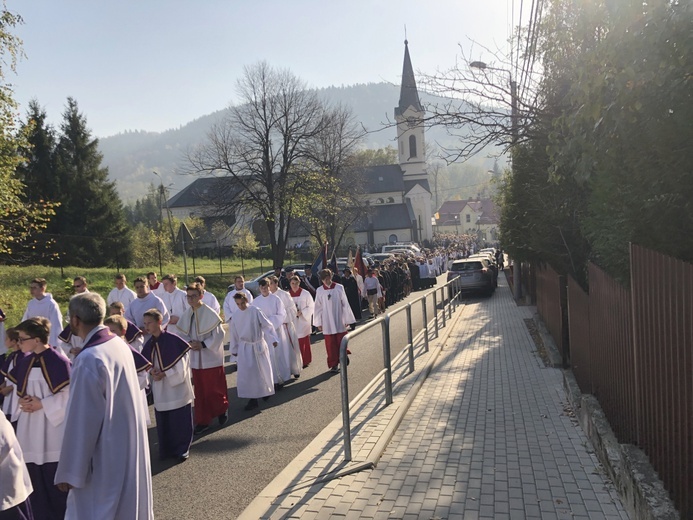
column 489, row 435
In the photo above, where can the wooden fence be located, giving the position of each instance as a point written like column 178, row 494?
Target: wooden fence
column 632, row 348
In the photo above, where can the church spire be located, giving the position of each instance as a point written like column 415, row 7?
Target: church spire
column 408, row 96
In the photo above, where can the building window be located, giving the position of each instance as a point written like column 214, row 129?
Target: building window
column 412, row 146
column 390, row 200
column 392, row 239
column 380, row 201
column 467, row 218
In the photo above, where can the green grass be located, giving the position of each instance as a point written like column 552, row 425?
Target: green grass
column 14, row 281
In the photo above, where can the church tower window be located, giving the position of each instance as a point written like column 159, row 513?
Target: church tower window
column 412, row 146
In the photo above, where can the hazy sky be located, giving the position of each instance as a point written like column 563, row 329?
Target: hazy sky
column 158, row 64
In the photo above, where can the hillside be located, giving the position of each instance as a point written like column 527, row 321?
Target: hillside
column 132, row 156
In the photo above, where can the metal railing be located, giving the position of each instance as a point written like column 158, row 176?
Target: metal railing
column 453, row 299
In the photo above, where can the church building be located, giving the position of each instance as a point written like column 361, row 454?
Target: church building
column 398, row 195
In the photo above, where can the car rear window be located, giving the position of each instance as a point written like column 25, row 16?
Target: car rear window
column 466, row 266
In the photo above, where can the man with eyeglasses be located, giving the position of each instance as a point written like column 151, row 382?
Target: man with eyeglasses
column 43, row 304
column 202, row 328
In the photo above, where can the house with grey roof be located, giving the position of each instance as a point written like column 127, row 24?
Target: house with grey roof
column 471, row 216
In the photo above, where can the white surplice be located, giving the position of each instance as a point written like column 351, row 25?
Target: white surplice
column 332, row 310
column 48, row 308
column 211, row 301
column 273, row 308
column 40, row 433
column 15, row 484
column 124, row 296
column 138, row 306
column 105, row 450
column 289, row 326
column 230, row 307
column 304, row 303
column 251, row 332
column 202, row 324
column 175, row 301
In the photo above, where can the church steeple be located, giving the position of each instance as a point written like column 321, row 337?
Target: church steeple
column 408, row 95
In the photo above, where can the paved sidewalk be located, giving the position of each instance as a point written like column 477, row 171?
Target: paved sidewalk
column 488, row 435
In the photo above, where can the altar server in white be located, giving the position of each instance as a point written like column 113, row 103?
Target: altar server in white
column 289, row 327
column 104, row 460
column 43, row 304
column 249, row 331
column 145, row 300
column 42, row 378
column 273, row 309
column 304, row 318
column 173, row 298
column 332, row 316
column 121, row 292
column 202, row 328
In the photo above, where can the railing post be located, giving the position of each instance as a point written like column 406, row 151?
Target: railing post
column 387, row 360
column 435, row 312
column 425, row 322
column 410, row 339
column 442, row 301
column 346, row 420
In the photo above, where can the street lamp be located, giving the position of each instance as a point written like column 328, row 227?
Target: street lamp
column 517, row 288
column 457, row 219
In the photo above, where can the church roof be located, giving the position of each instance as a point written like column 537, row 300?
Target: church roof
column 387, row 216
column 202, row 192
column 409, row 95
column 383, row 179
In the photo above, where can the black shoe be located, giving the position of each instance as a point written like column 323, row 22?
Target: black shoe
column 183, row 457
column 223, row 418
column 296, row 376
column 200, row 429
column 252, row 404
column 305, row 366
column 348, row 361
column 334, row 370
column 279, row 387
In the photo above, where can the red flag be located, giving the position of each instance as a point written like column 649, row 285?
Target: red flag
column 359, row 263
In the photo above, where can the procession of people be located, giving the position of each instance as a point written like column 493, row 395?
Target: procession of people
column 75, row 409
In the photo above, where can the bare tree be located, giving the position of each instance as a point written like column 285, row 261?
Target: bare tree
column 262, row 146
column 337, row 176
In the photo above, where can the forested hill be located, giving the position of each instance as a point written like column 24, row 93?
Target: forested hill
column 132, row 156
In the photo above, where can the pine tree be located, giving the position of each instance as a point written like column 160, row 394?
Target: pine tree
column 91, row 218
column 38, row 171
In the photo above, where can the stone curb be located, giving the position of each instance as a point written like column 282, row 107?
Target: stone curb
column 638, row 484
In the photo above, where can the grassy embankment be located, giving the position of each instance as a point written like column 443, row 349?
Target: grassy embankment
column 14, row 281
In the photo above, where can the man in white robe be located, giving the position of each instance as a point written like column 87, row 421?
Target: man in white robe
column 121, row 292
column 273, row 308
column 249, row 331
column 289, row 326
column 207, row 297
column 104, row 459
column 332, row 316
column 303, row 301
column 43, row 304
column 174, row 298
column 145, row 300
column 202, row 328
column 230, row 306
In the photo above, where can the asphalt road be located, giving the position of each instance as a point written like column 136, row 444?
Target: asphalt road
column 229, row 466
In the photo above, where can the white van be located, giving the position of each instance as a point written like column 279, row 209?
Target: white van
column 392, row 247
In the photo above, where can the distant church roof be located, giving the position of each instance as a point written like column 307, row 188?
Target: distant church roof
column 383, row 179
column 203, row 192
column 408, row 95
column 387, row 216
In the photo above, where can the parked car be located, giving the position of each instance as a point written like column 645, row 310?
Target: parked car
column 475, row 274
column 382, row 257
column 492, row 264
column 410, row 247
column 254, row 288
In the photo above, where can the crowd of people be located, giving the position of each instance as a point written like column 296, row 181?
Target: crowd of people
column 73, row 432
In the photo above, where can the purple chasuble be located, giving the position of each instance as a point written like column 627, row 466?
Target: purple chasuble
column 168, row 348
column 66, row 334
column 55, row 368
column 6, row 363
